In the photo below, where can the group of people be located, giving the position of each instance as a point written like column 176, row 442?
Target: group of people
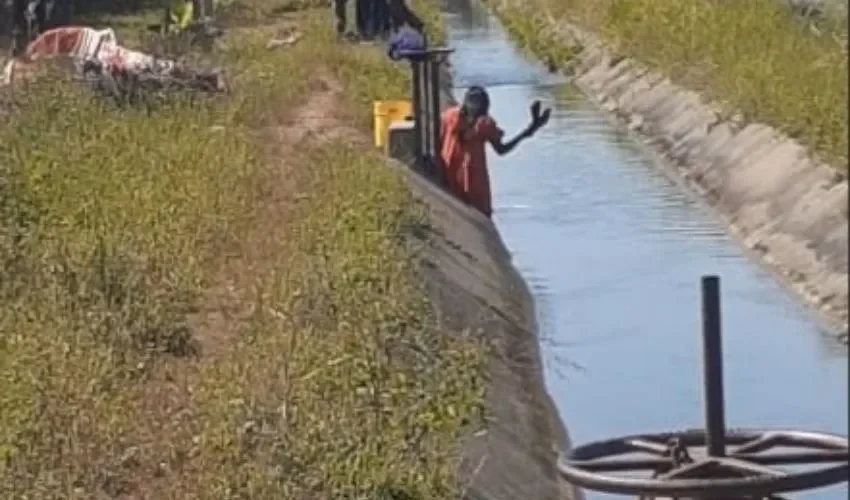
column 376, row 18
column 28, row 18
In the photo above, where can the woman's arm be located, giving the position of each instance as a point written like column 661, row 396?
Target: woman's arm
column 495, row 134
column 502, row 148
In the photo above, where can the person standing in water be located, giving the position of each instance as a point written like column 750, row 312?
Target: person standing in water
column 464, row 132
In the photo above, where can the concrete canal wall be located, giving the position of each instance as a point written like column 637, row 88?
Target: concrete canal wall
column 476, row 289
column 787, row 208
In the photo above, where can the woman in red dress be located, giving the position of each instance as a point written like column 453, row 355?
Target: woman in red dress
column 464, row 132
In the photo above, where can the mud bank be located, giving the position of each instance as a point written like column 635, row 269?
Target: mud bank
column 788, row 209
column 476, row 289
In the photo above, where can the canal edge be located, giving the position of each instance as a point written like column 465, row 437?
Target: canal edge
column 476, row 290
column 785, row 207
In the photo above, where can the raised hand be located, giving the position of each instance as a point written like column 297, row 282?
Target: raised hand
column 535, row 110
column 538, row 118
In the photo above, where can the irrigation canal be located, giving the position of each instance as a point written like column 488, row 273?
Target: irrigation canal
column 613, row 251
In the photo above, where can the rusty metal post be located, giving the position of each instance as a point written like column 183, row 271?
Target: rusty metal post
column 715, row 419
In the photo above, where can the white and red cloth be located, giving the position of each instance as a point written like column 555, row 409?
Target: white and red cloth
column 84, row 44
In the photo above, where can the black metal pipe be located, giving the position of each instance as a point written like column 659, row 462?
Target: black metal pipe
column 715, row 419
column 416, row 70
column 435, row 107
column 425, row 131
column 423, row 89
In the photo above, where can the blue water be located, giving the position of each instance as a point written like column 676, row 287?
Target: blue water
column 613, row 251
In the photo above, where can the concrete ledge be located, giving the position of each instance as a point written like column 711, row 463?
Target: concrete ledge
column 786, row 207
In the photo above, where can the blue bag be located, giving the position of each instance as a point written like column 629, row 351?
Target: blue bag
column 407, row 43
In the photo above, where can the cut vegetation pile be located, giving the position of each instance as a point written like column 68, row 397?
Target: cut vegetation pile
column 216, row 300
column 754, row 56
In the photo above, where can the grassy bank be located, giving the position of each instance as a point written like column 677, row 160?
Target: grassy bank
column 752, row 56
column 214, row 300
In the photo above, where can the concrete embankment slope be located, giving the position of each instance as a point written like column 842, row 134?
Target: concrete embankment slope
column 475, row 288
column 789, row 209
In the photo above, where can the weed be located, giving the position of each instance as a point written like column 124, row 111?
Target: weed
column 200, row 303
column 533, row 33
column 754, row 56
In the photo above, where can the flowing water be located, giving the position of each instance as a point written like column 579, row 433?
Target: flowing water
column 613, row 251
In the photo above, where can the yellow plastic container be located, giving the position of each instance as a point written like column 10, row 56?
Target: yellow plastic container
column 386, row 112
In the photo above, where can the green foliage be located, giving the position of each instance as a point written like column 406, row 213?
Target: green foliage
column 533, row 33
column 320, row 375
column 754, row 56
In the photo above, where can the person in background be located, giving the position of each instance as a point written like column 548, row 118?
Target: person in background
column 366, row 22
column 464, row 132
column 377, row 18
column 400, row 15
column 373, row 19
column 381, row 23
column 341, row 15
column 363, row 17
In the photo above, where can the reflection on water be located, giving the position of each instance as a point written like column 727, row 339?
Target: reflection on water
column 613, row 252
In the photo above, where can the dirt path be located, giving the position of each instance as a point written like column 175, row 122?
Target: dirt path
column 226, row 304
column 226, row 307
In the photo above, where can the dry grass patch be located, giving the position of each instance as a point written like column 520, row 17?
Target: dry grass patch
column 214, row 300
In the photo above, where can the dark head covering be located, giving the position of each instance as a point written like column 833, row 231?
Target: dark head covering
column 476, row 104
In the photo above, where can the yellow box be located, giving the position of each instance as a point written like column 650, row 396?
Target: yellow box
column 386, row 112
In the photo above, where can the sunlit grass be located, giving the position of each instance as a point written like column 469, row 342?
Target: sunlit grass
column 752, row 56
column 320, row 376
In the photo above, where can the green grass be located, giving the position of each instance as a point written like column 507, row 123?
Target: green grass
column 531, row 32
column 193, row 311
column 752, row 56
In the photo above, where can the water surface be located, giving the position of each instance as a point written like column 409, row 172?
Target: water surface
column 613, row 251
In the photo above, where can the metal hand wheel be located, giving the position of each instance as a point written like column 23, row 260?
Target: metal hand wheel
column 711, row 462
column 680, row 465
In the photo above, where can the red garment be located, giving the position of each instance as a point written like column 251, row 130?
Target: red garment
column 464, row 160
column 60, row 41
